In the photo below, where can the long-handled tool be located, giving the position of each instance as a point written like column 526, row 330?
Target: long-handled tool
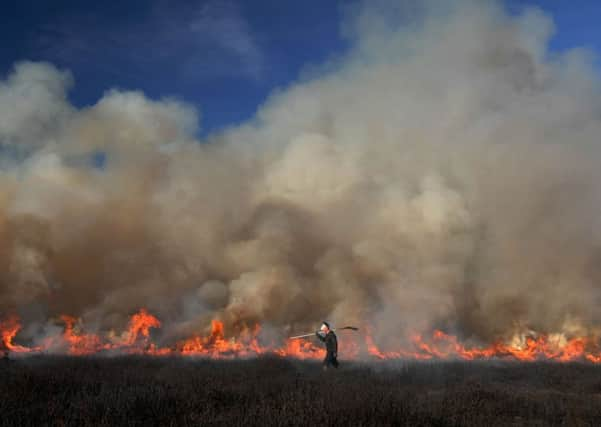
column 352, row 328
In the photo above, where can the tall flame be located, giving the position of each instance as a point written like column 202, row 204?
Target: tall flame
column 139, row 326
column 8, row 330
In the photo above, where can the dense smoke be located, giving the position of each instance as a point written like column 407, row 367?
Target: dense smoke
column 442, row 173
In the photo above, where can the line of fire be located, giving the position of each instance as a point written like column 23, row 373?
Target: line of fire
column 217, row 344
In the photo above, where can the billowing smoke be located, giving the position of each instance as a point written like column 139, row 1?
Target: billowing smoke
column 444, row 173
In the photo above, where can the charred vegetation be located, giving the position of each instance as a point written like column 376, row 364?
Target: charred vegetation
column 137, row 390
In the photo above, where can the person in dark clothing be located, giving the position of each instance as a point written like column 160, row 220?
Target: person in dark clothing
column 328, row 336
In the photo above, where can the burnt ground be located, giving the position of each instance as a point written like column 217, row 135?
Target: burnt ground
column 45, row 390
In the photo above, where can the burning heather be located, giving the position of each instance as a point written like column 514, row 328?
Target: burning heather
column 248, row 343
column 437, row 186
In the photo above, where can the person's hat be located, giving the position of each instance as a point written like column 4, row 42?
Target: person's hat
column 324, row 325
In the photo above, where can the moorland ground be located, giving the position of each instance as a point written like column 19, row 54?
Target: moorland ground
column 143, row 391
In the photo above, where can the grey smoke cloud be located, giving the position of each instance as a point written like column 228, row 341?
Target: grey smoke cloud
column 33, row 104
column 443, row 174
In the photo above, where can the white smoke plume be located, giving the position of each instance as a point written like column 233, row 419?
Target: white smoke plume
column 443, row 173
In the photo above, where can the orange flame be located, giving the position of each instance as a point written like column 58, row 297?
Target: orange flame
column 80, row 344
column 215, row 345
column 8, row 330
column 139, row 326
column 438, row 345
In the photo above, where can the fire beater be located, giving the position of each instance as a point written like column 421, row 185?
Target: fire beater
column 327, row 335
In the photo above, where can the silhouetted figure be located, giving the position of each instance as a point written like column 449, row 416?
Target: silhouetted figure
column 328, row 336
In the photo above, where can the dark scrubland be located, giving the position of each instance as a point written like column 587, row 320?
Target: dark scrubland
column 144, row 391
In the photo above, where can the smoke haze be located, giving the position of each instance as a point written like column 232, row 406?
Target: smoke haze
column 443, row 173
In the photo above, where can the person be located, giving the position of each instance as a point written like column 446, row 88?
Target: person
column 327, row 335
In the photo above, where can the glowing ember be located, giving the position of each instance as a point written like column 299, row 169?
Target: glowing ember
column 439, row 345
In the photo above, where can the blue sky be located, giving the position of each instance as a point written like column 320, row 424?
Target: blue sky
column 225, row 57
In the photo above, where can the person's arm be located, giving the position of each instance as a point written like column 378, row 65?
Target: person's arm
column 319, row 335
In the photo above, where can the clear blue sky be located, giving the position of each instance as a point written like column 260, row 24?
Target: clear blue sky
column 223, row 56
